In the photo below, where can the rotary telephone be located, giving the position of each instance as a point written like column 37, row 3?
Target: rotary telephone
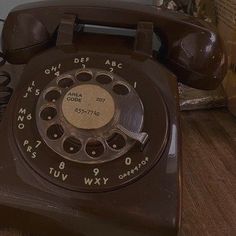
column 90, row 139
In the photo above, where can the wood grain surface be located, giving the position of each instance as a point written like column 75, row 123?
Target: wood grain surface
column 209, row 171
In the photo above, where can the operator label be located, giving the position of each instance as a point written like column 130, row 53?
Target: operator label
column 135, row 169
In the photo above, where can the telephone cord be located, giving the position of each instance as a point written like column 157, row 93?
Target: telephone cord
column 5, row 90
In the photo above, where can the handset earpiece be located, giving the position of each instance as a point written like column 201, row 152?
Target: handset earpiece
column 23, row 36
column 198, row 59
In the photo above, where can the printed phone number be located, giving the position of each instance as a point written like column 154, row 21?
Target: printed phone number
column 87, row 112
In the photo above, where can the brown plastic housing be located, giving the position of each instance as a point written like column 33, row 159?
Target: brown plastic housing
column 148, row 202
column 148, row 205
column 191, row 48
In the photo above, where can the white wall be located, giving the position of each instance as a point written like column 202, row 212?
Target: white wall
column 7, row 5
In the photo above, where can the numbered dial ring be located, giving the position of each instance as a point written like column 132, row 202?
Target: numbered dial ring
column 84, row 115
column 66, row 134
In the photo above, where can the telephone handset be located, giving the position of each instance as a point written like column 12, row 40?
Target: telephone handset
column 191, row 48
column 90, row 140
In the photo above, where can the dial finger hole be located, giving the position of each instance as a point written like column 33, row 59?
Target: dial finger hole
column 116, row 141
column 121, row 89
column 94, row 148
column 103, row 79
column 52, row 96
column 84, row 76
column 48, row 113
column 72, row 145
column 65, row 83
column 55, row 132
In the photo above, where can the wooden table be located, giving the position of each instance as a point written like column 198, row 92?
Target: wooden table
column 209, row 171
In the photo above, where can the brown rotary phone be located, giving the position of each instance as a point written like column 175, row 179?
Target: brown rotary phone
column 90, row 140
